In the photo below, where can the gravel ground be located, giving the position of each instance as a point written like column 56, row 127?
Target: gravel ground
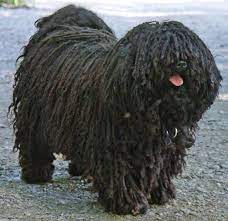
column 202, row 190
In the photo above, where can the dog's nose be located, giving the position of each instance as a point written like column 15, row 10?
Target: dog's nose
column 181, row 66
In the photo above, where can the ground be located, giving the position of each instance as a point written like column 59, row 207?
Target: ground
column 202, row 190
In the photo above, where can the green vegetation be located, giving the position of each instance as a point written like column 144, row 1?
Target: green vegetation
column 13, row 2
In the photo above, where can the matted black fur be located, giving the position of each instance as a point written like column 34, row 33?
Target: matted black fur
column 109, row 106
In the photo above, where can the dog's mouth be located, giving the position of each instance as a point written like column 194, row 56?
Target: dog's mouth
column 183, row 137
column 176, row 80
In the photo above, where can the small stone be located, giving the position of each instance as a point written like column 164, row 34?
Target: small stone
column 127, row 115
column 219, row 184
column 216, row 167
column 200, row 189
column 225, row 166
column 186, row 211
column 62, row 201
column 2, row 126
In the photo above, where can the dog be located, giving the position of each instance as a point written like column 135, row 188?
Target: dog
column 123, row 112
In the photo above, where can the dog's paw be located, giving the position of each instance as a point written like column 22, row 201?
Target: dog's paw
column 162, row 195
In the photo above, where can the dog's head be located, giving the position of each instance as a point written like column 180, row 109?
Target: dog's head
column 164, row 62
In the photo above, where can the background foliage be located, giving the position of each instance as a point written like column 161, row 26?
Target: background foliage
column 13, row 2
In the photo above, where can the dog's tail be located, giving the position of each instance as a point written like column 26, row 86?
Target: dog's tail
column 72, row 15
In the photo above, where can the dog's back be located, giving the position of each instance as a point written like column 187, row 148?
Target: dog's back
column 69, row 16
column 73, row 16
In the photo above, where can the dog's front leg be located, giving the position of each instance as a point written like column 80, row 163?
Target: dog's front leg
column 119, row 190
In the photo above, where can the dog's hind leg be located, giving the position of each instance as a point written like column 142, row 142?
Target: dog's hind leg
column 75, row 168
column 36, row 163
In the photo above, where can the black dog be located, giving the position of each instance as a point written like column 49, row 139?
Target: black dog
column 123, row 112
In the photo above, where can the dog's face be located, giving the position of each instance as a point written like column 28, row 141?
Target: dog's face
column 190, row 79
column 171, row 63
column 184, row 92
column 164, row 62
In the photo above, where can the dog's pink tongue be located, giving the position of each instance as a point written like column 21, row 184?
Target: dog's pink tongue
column 176, row 80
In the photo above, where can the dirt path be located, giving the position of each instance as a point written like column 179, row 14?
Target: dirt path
column 202, row 190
